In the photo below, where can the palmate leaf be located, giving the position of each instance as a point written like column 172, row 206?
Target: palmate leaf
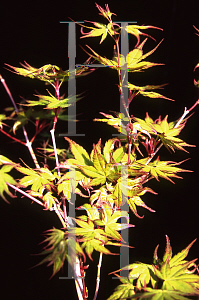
column 99, row 30
column 94, row 167
column 133, row 62
column 135, row 200
column 125, row 126
column 172, row 278
column 79, row 153
column 92, row 238
column 158, row 294
column 58, row 249
column 124, row 290
column 48, row 73
column 36, row 178
column 109, row 220
column 93, row 244
column 164, row 169
column 165, row 131
column 45, row 73
column 51, row 101
column 4, row 179
column 176, row 273
column 142, row 273
column 24, row 116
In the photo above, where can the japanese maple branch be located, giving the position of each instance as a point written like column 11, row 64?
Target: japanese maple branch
column 28, row 143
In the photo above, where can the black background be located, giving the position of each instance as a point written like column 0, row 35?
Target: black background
column 30, row 31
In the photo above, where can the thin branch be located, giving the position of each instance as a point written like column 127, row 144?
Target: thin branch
column 186, row 112
column 98, row 276
column 59, row 216
column 25, row 194
column 12, row 137
column 28, row 143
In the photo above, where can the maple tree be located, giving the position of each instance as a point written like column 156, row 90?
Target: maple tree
column 112, row 174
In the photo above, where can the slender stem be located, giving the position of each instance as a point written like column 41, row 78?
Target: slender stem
column 12, row 137
column 98, row 276
column 8, row 92
column 25, row 194
column 28, row 143
column 52, row 132
column 29, row 146
column 186, row 111
column 60, row 216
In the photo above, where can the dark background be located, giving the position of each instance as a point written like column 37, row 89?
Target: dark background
column 31, row 31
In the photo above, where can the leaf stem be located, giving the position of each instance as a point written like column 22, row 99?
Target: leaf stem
column 98, row 276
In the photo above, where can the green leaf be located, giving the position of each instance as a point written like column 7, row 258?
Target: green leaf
column 6, row 161
column 97, row 158
column 133, row 61
column 165, row 131
column 158, row 294
column 92, row 211
column 57, row 249
column 123, row 291
column 164, row 169
column 108, row 148
column 110, row 222
column 5, row 178
column 36, row 178
column 178, row 258
column 100, row 30
column 79, row 153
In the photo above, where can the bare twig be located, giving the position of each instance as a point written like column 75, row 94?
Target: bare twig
column 98, row 276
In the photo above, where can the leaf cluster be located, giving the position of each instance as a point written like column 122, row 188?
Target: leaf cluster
column 173, row 277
